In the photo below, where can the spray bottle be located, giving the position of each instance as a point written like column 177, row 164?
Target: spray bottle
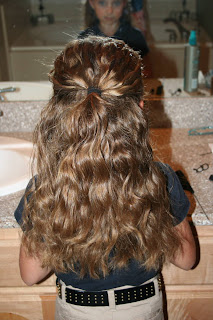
column 191, row 63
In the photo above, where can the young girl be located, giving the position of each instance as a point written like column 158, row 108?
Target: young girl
column 100, row 213
column 111, row 18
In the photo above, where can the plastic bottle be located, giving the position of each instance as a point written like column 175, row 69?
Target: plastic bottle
column 191, row 63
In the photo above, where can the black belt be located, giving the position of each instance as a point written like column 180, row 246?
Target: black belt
column 100, row 298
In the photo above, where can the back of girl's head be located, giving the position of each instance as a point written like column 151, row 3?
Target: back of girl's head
column 98, row 190
column 104, row 63
column 97, row 85
column 93, row 120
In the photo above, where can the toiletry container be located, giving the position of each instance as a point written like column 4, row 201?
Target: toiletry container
column 191, row 63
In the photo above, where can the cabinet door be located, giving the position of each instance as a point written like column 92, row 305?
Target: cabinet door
column 48, row 306
column 193, row 305
column 10, row 316
column 28, row 307
column 16, row 299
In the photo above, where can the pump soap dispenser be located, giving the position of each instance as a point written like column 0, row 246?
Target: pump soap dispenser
column 191, row 63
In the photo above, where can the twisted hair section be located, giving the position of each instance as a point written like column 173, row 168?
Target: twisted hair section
column 99, row 199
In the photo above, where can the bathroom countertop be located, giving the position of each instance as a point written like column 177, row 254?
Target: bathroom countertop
column 173, row 146
column 164, row 112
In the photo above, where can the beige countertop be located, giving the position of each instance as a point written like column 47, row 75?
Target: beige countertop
column 171, row 145
column 184, row 152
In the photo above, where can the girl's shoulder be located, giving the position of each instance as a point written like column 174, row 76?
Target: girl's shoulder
column 20, row 208
column 179, row 201
column 172, row 178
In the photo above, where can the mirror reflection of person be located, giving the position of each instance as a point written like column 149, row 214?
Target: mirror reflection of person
column 111, row 18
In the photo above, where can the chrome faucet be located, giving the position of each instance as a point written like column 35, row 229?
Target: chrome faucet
column 9, row 89
column 184, row 33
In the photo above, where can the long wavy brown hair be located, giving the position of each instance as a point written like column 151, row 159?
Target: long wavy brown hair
column 99, row 199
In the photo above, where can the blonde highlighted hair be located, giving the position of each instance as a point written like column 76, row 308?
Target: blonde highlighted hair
column 99, row 199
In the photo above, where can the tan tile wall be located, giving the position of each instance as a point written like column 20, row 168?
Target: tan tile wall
column 17, row 14
column 160, row 9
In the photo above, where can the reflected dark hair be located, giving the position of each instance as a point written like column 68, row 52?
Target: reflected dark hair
column 99, row 199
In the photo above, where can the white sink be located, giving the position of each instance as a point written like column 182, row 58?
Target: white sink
column 15, row 163
column 26, row 90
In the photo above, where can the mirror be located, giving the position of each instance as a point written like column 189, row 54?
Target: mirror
column 32, row 32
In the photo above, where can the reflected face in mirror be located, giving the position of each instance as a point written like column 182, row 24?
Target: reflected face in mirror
column 108, row 12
